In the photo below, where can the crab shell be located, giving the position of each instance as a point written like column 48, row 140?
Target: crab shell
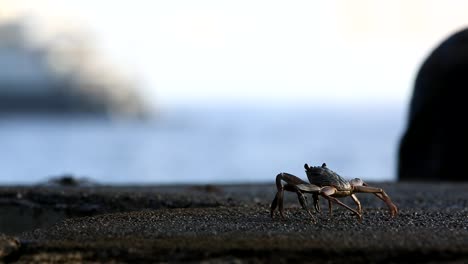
column 323, row 176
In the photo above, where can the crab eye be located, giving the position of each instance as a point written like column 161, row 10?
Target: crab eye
column 356, row 182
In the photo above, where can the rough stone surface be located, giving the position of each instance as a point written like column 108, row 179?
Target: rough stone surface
column 431, row 228
column 9, row 247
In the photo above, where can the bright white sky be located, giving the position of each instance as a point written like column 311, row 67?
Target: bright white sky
column 260, row 51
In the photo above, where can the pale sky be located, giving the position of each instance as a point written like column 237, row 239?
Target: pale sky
column 259, row 51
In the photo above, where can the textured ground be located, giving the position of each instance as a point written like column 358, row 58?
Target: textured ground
column 229, row 224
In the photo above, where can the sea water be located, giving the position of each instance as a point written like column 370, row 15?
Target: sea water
column 203, row 145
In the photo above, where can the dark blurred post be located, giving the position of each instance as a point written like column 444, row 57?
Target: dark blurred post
column 435, row 144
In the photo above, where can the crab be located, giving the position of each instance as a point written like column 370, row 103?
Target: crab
column 328, row 184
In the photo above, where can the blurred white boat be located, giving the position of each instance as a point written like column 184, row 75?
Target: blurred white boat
column 63, row 76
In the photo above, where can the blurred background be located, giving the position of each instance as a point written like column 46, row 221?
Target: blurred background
column 209, row 91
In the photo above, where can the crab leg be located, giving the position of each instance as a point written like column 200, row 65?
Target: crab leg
column 316, row 202
column 328, row 191
column 302, row 200
column 358, row 203
column 379, row 193
column 291, row 182
column 376, row 194
column 314, row 190
column 274, row 204
column 279, row 200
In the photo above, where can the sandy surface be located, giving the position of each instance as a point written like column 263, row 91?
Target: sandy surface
column 230, row 224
